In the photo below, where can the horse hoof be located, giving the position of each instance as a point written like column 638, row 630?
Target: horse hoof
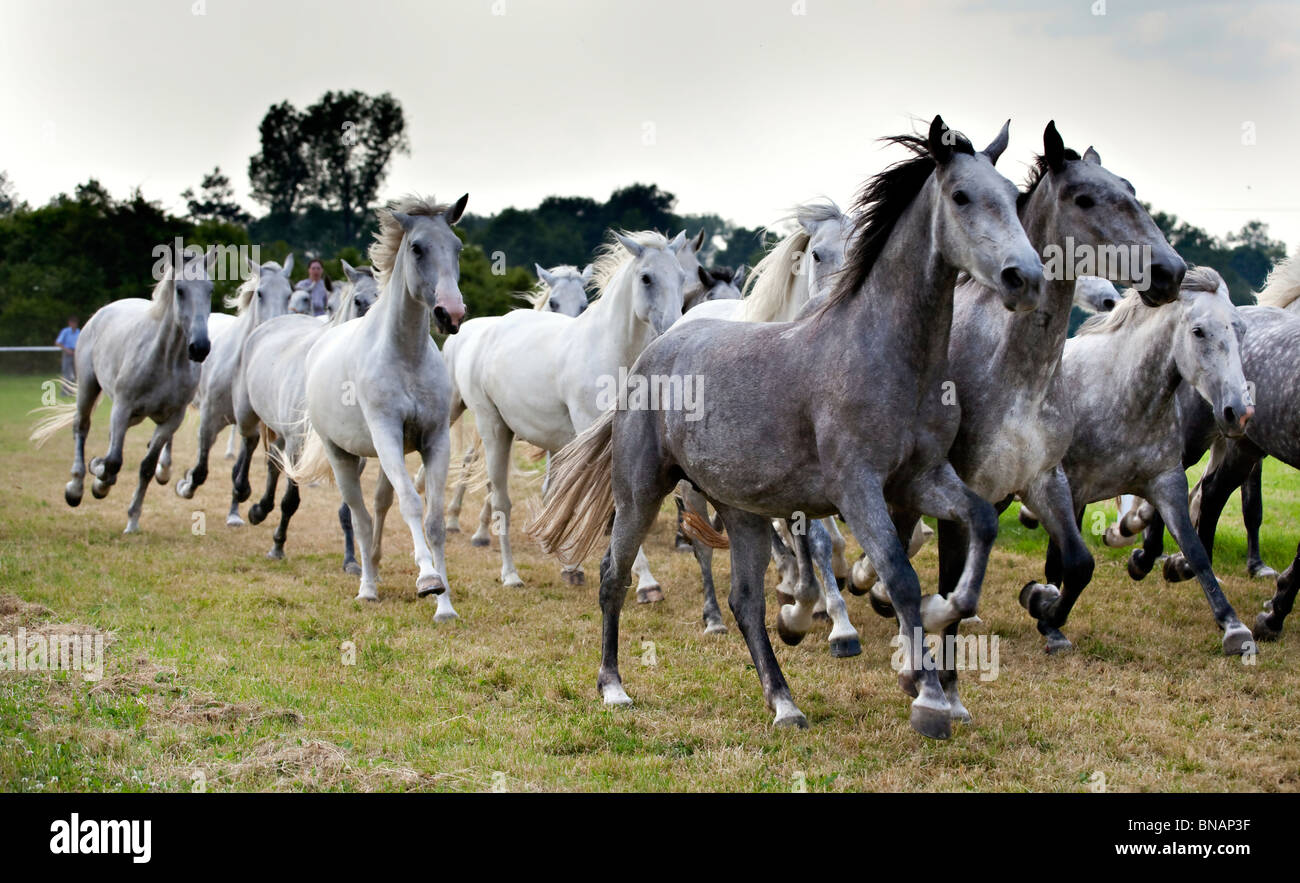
column 429, row 585
column 715, row 628
column 71, row 498
column 162, row 477
column 931, row 721
column 1034, row 596
column 185, row 489
column 446, row 616
column 480, row 541
column 821, row 616
column 132, row 527
column 1136, row 571
column 957, row 711
column 452, row 527
column 862, row 577
column 1057, row 642
column 276, row 554
column 1263, row 571
column 791, row 719
column 789, row 636
column 1238, row 640
column 512, row 581
column 649, row 595
column 1117, row 539
column 98, row 489
column 1264, row 630
column 936, row 614
column 351, row 566
column 843, row 648
column 367, row 594
column 1176, row 569
column 256, row 514
column 614, row 694
column 882, row 607
column 233, row 520
column 573, row 577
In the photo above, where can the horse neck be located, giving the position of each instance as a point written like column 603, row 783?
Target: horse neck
column 169, row 343
column 905, row 305
column 403, row 318
column 1139, row 361
column 613, row 326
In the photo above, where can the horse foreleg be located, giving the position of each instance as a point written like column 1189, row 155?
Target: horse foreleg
column 863, row 506
column 350, row 564
column 1217, row 486
column 161, row 436
column 1168, row 493
column 1072, row 564
column 712, row 614
column 1268, row 625
column 387, row 437
column 163, row 473
column 105, row 468
column 436, row 459
column 209, row 427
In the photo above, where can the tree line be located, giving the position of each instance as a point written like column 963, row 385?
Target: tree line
column 318, row 176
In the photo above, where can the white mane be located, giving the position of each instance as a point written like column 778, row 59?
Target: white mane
column 770, row 289
column 1282, row 288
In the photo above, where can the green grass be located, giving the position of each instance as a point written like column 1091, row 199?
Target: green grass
column 227, row 669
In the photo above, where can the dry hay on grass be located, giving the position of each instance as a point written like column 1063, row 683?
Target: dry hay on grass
column 315, row 764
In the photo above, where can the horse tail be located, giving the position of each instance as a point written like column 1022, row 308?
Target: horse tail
column 471, row 471
column 312, row 464
column 696, row 526
column 580, row 497
column 56, row 417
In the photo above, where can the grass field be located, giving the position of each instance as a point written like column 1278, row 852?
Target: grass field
column 226, row 670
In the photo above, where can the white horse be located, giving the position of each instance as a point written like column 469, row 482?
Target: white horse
column 145, row 355
column 270, row 389
column 263, row 295
column 377, row 387
column 560, row 289
column 544, row 378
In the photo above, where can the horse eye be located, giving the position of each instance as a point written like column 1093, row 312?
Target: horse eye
column 817, row 258
column 1198, row 331
column 960, row 197
column 555, row 308
column 416, row 249
column 1084, row 201
column 645, row 278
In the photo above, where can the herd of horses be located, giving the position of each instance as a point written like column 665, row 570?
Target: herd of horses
column 908, row 357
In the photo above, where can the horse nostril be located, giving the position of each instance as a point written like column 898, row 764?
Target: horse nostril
column 1012, row 279
column 1229, row 415
column 1107, row 305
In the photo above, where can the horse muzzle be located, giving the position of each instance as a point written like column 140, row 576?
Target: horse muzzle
column 447, row 324
column 199, row 349
column 1233, row 421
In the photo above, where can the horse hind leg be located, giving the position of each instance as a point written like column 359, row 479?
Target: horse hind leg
column 347, row 472
column 230, row 443
column 383, row 502
column 712, row 614
column 750, row 552
column 240, row 488
column 844, row 639
column 1071, row 565
column 350, row 564
column 87, row 393
column 1252, row 515
column 288, row 506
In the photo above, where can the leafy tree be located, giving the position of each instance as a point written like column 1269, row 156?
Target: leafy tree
column 278, row 172
column 9, row 202
column 216, row 202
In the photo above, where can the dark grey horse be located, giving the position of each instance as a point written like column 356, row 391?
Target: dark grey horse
column 1017, row 413
column 1268, row 349
column 842, row 411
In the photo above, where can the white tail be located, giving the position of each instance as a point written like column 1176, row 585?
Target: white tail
column 312, row 464
column 56, row 417
column 580, row 499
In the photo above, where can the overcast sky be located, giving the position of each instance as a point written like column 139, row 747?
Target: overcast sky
column 739, row 107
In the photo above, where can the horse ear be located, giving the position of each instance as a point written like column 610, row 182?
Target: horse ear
column 288, row 266
column 630, row 244
column 1053, row 147
column 1091, row 156
column 698, row 241
column 253, row 267
column 678, row 241
column 403, row 219
column 453, row 215
column 739, row 279
column 705, row 279
column 350, row 271
column 587, row 272
column 998, row 144
column 210, row 259
column 940, row 141
column 544, row 276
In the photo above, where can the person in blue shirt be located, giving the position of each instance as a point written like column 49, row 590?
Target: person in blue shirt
column 67, row 341
column 318, row 286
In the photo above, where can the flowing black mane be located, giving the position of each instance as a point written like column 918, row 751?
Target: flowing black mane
column 880, row 204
